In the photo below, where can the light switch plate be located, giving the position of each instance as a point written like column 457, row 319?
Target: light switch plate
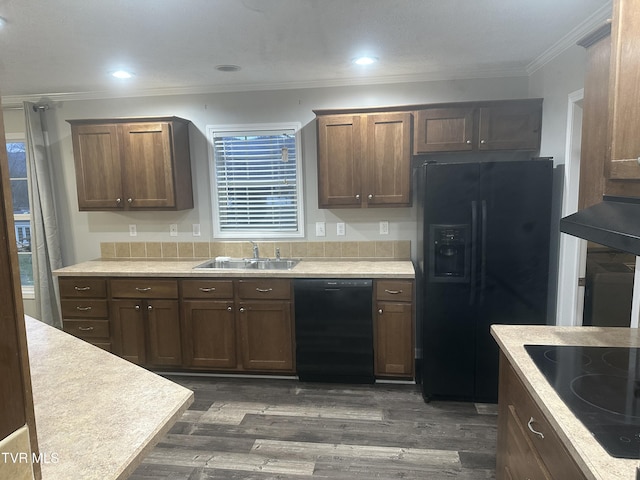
column 341, row 229
column 173, row 230
column 384, row 227
column 196, row 229
column 321, row 229
column 133, row 230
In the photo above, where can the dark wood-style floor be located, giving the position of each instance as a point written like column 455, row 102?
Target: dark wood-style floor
column 258, row 429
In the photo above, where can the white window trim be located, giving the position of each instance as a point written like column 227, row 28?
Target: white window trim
column 256, row 127
column 28, row 292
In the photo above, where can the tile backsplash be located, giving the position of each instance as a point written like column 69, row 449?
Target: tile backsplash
column 376, row 250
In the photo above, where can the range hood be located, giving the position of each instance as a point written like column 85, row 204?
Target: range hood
column 615, row 222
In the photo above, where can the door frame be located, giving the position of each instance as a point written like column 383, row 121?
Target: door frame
column 573, row 250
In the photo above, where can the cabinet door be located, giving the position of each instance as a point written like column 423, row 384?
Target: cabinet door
column 388, row 159
column 128, row 330
column 147, row 164
column 209, row 334
column 511, row 126
column 163, row 333
column 394, row 339
column 444, row 130
column 96, row 152
column 624, row 120
column 340, row 152
column 266, row 335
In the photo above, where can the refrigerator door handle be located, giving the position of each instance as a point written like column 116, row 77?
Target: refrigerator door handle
column 474, row 251
column 483, row 250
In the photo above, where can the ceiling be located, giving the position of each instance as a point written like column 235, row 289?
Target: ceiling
column 67, row 48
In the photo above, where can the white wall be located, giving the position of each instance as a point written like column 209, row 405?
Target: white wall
column 82, row 232
column 554, row 82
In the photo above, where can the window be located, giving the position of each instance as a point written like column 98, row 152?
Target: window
column 256, row 181
column 17, row 156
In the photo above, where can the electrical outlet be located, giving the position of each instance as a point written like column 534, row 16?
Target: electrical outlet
column 173, row 230
column 196, row 229
column 133, row 231
column 340, row 229
column 384, row 227
column 320, row 229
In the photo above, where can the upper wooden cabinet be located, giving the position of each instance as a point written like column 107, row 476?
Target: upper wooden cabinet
column 623, row 161
column 593, row 149
column 364, row 160
column 132, row 164
column 479, row 126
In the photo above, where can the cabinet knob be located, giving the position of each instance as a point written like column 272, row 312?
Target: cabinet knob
column 358, row 197
column 468, row 142
column 229, row 309
column 370, row 196
column 380, row 311
column 130, row 200
column 638, row 160
column 483, row 141
column 118, row 201
column 149, row 307
column 137, row 307
column 242, row 310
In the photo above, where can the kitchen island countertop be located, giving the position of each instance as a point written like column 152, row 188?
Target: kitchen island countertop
column 184, row 268
column 97, row 415
column 586, row 451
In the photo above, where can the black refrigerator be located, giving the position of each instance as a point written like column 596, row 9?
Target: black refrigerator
column 483, row 258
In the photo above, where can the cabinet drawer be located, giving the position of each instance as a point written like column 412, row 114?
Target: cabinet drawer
column 395, row 290
column 87, row 328
column 84, row 308
column 265, row 289
column 207, row 289
column 143, row 288
column 84, row 287
column 550, row 448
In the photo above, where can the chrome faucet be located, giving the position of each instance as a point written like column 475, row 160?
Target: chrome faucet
column 256, row 251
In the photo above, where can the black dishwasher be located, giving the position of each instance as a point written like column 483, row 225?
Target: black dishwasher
column 334, row 330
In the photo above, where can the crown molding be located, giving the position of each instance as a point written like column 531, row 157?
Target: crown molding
column 572, row 38
column 15, row 101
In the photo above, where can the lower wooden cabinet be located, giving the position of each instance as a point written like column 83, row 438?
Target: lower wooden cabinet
column 528, row 447
column 85, row 310
column 146, row 327
column 394, row 332
column 220, row 324
column 208, row 324
column 266, row 335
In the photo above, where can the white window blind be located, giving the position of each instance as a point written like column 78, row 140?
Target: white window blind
column 256, row 177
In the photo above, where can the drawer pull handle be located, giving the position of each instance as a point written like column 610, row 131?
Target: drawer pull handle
column 393, row 292
column 534, row 431
column 81, row 289
column 83, row 309
column 264, row 290
column 207, row 289
column 143, row 289
column 85, row 329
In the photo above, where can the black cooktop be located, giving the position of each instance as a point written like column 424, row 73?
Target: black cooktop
column 601, row 386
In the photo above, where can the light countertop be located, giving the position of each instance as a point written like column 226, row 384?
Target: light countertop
column 97, row 415
column 586, row 451
column 184, row 268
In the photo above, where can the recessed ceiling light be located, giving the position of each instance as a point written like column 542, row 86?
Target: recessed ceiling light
column 122, row 74
column 227, row 68
column 3, row 22
column 365, row 60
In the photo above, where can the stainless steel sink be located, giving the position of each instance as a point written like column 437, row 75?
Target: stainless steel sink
column 249, row 263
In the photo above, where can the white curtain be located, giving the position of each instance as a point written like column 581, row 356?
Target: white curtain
column 45, row 243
